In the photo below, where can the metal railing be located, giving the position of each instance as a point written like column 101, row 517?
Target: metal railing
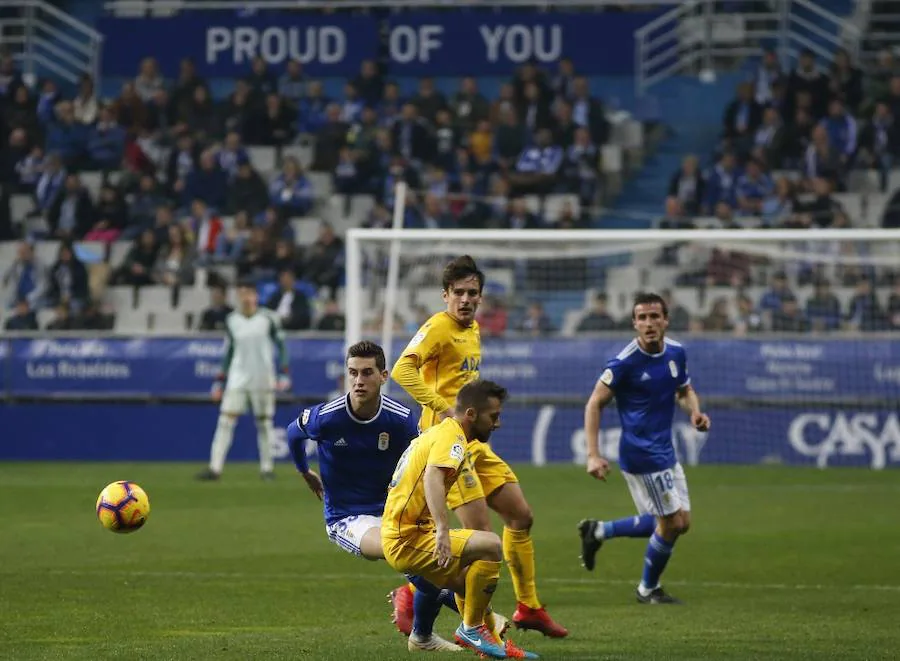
column 881, row 21
column 46, row 41
column 694, row 36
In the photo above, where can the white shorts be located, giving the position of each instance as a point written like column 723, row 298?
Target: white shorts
column 349, row 531
column 659, row 494
column 261, row 402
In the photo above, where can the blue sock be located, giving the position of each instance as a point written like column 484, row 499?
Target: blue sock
column 448, row 599
column 425, row 611
column 633, row 526
column 658, row 553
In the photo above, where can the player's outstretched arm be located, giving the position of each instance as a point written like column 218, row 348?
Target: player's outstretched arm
column 406, row 373
column 597, row 465
column 689, row 402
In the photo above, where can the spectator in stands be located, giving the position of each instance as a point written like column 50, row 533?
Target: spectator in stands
column 67, row 282
column 798, row 139
column 106, row 142
column 772, row 299
column 110, row 216
column 678, row 314
column 878, row 78
column 770, row 141
column 469, row 106
column 879, row 143
column 823, row 308
column 137, row 269
column 893, row 311
column 822, row 160
column 332, row 320
column 721, row 183
column 84, row 105
column 183, row 160
column 183, row 90
column 239, row 112
column 142, row 208
column 429, row 101
column 257, row 260
column 581, row 168
column 25, row 278
column 789, row 318
column 492, row 316
column 747, row 319
column 325, row 260
column 130, row 109
column 536, row 322
column 209, row 183
column 807, row 78
column 21, row 113
column 846, row 82
column 564, row 125
column 232, row 154
column 176, row 261
column 291, row 304
column 564, row 80
column 347, row 178
column 71, row 214
column 62, row 319
column 822, row 208
column 10, row 78
column 351, row 105
column 65, row 137
column 292, row 84
column 446, row 141
column 589, row 112
column 47, row 102
column 742, row 117
column 718, row 321
column 213, row 318
column 276, row 123
column 200, row 115
column 434, row 215
column 22, row 319
column 728, row 268
column 287, row 257
column 205, row 226
column 752, row 188
column 778, row 206
column 22, row 167
column 261, row 81
column 686, row 185
column 865, row 313
column 312, row 111
column 565, row 219
column 766, row 76
column 411, row 136
column 598, row 318
column 291, row 192
column 231, row 240
column 148, row 80
column 519, row 217
column 842, row 131
column 95, row 318
column 330, row 138
column 534, row 110
column 537, row 170
column 248, row 192
column 161, row 122
column 369, row 83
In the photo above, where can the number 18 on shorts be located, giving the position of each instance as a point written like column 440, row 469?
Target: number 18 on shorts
column 661, row 493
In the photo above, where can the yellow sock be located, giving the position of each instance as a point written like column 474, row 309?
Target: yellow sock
column 460, row 603
column 489, row 620
column 518, row 551
column 481, row 582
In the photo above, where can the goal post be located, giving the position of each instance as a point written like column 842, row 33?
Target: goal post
column 806, row 375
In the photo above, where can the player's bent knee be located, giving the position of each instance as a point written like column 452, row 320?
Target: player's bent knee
column 370, row 546
column 482, row 545
column 509, row 502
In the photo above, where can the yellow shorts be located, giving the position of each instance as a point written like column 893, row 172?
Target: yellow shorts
column 414, row 555
column 491, row 473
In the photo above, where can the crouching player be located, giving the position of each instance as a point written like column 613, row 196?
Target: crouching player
column 415, row 534
column 360, row 438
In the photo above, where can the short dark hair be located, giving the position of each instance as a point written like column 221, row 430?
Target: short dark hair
column 460, row 269
column 475, row 394
column 367, row 349
column 649, row 298
column 247, row 283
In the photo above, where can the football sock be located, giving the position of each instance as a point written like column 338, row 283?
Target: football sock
column 460, row 602
column 264, row 442
column 425, row 611
column 221, row 443
column 518, row 551
column 481, row 582
column 658, row 553
column 633, row 526
column 448, row 599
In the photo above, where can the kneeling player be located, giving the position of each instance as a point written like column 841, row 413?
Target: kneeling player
column 416, row 537
column 360, row 438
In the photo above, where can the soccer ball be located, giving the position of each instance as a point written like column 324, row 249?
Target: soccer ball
column 123, row 507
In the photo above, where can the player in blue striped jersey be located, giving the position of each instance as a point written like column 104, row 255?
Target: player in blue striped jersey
column 647, row 379
column 360, row 438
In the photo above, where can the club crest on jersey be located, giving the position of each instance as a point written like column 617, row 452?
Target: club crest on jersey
column 384, row 439
column 457, row 452
column 607, row 377
column 673, row 368
column 305, row 419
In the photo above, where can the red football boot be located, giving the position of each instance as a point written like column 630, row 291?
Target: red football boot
column 539, row 620
column 401, row 599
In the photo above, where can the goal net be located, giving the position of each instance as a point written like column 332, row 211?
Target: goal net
column 792, row 336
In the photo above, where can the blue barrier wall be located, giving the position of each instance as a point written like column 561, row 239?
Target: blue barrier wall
column 810, row 401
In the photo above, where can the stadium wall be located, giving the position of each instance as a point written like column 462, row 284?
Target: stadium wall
column 822, row 402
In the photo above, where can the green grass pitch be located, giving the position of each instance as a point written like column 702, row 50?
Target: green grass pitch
column 781, row 563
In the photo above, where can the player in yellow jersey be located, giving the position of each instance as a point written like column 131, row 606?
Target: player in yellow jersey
column 415, row 534
column 440, row 359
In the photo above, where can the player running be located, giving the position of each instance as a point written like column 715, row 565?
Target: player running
column 646, row 379
column 248, row 374
column 415, row 533
column 440, row 359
